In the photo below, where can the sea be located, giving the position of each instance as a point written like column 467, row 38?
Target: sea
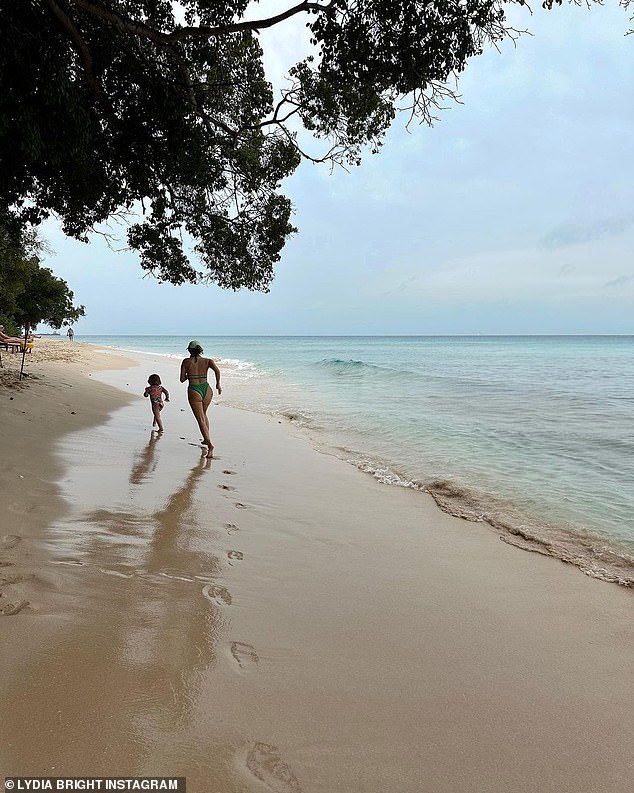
column 531, row 436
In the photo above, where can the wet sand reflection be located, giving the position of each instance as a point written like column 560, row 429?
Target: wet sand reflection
column 141, row 633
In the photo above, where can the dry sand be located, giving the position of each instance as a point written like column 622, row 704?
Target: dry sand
column 275, row 620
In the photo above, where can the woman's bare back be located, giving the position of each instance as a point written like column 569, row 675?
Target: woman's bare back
column 196, row 368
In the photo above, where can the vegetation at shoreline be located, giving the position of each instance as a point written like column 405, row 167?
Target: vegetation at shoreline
column 30, row 293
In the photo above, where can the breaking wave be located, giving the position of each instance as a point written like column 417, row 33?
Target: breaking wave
column 340, row 366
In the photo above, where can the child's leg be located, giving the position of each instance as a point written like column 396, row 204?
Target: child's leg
column 156, row 410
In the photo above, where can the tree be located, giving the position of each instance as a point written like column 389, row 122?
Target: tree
column 30, row 293
column 45, row 298
column 112, row 106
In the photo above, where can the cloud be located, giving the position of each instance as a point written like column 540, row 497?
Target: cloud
column 567, row 235
column 487, row 275
column 620, row 281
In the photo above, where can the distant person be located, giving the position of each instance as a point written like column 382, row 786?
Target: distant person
column 71, row 334
column 199, row 392
column 155, row 391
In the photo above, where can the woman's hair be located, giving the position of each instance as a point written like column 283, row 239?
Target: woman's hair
column 195, row 347
column 154, row 379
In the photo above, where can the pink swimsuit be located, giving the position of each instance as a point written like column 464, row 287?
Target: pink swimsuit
column 156, row 395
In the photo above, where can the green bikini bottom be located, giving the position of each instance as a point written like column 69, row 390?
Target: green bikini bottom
column 200, row 388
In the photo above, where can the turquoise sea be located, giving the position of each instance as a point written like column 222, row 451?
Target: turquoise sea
column 533, row 435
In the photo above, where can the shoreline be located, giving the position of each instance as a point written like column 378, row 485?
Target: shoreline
column 229, row 622
column 594, row 553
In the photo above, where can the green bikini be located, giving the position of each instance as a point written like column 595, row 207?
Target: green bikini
column 200, row 388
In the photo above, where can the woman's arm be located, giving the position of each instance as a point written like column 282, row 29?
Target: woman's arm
column 216, row 371
column 183, row 372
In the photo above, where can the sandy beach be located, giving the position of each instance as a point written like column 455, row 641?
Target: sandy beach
column 275, row 619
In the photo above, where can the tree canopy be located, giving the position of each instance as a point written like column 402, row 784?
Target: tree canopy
column 162, row 111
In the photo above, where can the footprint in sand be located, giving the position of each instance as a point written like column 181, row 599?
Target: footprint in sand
column 240, row 506
column 226, row 487
column 237, row 555
column 217, row 594
column 10, row 541
column 15, row 579
column 10, row 609
column 231, row 527
column 229, row 472
column 245, row 655
column 265, row 763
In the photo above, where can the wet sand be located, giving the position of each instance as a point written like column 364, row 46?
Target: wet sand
column 276, row 620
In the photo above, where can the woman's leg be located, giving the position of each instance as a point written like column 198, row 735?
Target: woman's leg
column 199, row 407
column 206, row 402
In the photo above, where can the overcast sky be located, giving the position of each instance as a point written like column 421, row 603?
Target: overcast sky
column 513, row 214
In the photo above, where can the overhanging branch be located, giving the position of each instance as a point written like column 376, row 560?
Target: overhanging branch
column 134, row 27
column 81, row 48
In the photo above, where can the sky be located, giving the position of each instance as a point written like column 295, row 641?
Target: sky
column 514, row 214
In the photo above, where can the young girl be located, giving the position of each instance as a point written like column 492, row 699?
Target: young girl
column 155, row 391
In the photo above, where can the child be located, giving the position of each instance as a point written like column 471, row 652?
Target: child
column 155, row 391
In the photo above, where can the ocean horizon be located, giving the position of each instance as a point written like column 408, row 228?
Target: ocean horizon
column 531, row 434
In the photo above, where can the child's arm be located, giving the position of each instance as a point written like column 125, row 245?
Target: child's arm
column 167, row 394
column 146, row 392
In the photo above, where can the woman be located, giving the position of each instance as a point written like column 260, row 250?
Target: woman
column 199, row 393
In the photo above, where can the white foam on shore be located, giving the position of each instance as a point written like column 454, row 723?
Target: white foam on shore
column 595, row 555
column 152, row 353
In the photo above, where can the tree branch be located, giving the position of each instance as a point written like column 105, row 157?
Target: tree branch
column 333, row 154
column 125, row 24
column 255, row 24
column 80, row 46
column 274, row 118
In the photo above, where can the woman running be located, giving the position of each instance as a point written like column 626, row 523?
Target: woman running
column 199, row 392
